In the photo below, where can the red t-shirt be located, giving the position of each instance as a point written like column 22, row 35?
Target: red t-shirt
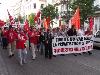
column 33, row 37
column 88, row 32
column 11, row 36
column 21, row 40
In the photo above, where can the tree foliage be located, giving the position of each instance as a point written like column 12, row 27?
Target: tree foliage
column 49, row 10
column 31, row 19
column 86, row 8
column 19, row 18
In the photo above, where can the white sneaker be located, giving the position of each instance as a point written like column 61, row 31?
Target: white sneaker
column 33, row 58
column 24, row 61
column 21, row 63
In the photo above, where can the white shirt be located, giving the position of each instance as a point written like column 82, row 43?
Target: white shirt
column 80, row 32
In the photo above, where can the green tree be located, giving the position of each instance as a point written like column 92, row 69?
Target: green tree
column 31, row 19
column 86, row 8
column 49, row 11
column 19, row 18
column 16, row 19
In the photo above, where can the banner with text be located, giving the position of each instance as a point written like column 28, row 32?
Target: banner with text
column 74, row 44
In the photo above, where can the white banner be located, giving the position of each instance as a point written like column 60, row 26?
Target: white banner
column 74, row 44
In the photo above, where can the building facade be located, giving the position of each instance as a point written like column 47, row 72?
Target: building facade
column 26, row 7
column 97, row 21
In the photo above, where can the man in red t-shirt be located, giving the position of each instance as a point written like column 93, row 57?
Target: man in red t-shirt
column 33, row 41
column 21, row 47
column 11, row 37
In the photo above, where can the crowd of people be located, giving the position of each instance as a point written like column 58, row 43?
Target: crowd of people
column 35, row 40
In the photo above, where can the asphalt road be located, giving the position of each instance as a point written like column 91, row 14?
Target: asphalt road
column 60, row 65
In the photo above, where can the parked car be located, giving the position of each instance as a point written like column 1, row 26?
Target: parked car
column 96, row 39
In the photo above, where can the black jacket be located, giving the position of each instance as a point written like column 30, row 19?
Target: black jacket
column 71, row 32
column 42, row 38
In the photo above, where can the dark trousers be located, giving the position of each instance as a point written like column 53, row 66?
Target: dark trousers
column 4, row 43
column 42, row 48
column 48, row 51
column 29, row 44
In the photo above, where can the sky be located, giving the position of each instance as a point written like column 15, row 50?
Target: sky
column 97, row 2
column 8, row 4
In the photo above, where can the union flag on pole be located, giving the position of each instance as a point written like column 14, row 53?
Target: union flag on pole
column 75, row 20
column 26, row 26
column 10, row 18
column 37, row 18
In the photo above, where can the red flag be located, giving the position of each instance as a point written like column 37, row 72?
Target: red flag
column 45, row 24
column 37, row 18
column 11, row 18
column 75, row 20
column 26, row 26
column 48, row 21
column 38, row 14
column 2, row 23
column 91, row 22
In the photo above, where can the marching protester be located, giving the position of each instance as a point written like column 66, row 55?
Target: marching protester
column 54, row 31
column 80, row 32
column 48, row 44
column 63, row 32
column 4, row 38
column 87, row 33
column 11, row 37
column 72, row 32
column 33, row 42
column 37, row 37
column 42, row 42
column 21, row 46
column 0, row 36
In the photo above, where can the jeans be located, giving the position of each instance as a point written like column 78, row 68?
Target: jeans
column 33, row 48
column 22, row 53
column 11, row 47
column 42, row 48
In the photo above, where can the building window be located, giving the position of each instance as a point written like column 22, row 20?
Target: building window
column 42, row 5
column 34, row 5
column 30, row 6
